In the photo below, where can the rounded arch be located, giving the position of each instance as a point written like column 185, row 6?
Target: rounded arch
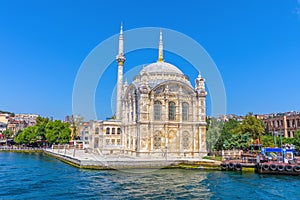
column 172, row 110
column 97, row 131
column 185, row 111
column 170, row 82
column 157, row 110
column 131, row 90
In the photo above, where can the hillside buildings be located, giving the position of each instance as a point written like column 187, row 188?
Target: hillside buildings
column 284, row 124
column 16, row 122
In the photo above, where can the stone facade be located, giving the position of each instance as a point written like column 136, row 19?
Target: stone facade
column 284, row 124
column 158, row 114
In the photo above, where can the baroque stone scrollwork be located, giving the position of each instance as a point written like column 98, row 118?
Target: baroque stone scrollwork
column 157, row 141
column 186, row 140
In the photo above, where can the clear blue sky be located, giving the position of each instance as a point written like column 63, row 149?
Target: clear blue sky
column 254, row 43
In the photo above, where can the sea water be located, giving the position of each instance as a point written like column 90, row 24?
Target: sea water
column 37, row 176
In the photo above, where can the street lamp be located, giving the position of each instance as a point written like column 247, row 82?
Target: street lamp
column 274, row 134
column 281, row 133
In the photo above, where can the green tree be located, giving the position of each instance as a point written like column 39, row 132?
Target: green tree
column 7, row 134
column 251, row 125
column 28, row 136
column 225, row 141
column 213, row 133
column 267, row 140
column 41, row 120
column 58, row 132
column 41, row 123
column 296, row 139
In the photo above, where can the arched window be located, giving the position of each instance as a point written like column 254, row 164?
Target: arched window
column 113, row 131
column 157, row 110
column 97, row 131
column 185, row 111
column 107, row 131
column 119, row 131
column 171, row 110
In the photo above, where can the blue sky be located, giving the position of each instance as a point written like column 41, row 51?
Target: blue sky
column 254, row 43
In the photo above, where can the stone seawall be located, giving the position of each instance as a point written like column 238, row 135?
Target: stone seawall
column 90, row 161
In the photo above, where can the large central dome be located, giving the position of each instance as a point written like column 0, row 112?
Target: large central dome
column 162, row 67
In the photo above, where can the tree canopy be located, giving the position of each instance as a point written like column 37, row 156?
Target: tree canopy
column 45, row 131
column 8, row 133
column 58, row 132
column 214, row 131
column 253, row 126
column 235, row 134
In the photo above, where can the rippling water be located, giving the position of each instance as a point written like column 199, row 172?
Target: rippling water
column 36, row 176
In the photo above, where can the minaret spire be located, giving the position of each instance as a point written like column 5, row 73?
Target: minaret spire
column 120, row 59
column 160, row 48
column 121, row 41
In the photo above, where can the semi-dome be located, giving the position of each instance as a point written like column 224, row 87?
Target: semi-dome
column 162, row 67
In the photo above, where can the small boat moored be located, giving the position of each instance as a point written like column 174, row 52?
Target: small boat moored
column 277, row 161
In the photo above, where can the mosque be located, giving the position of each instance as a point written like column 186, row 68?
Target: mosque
column 159, row 114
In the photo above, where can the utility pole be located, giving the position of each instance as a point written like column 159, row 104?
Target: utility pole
column 274, row 137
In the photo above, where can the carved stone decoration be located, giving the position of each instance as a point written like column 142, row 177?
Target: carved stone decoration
column 157, row 141
column 186, row 140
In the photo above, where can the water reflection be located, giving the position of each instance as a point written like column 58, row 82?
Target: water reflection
column 159, row 184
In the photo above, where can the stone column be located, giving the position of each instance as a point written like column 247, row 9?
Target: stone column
column 130, row 110
column 134, row 109
column 285, row 126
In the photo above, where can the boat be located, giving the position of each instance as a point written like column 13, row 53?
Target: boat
column 277, row 161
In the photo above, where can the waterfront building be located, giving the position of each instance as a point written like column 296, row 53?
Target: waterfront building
column 284, row 124
column 160, row 113
column 85, row 136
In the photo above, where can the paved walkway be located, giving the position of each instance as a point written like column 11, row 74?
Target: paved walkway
column 82, row 155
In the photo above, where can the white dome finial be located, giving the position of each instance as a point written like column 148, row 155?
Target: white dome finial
column 121, row 28
column 199, row 74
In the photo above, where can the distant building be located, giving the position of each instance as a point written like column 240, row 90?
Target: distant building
column 2, row 128
column 284, row 124
column 85, row 131
column 4, row 118
column 67, row 119
column 226, row 118
column 21, row 121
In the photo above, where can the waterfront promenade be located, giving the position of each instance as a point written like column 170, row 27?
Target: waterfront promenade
column 91, row 160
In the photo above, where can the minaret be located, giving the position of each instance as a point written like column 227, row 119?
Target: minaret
column 120, row 59
column 160, row 48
